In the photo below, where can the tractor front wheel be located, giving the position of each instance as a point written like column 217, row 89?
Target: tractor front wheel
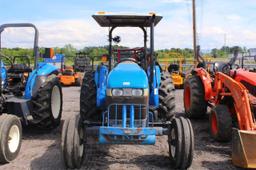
column 10, row 137
column 194, row 103
column 47, row 104
column 181, row 143
column 72, row 142
column 221, row 123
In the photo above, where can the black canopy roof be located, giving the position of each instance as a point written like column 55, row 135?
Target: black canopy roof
column 126, row 20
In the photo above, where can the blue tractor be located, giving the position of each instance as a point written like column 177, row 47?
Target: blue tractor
column 129, row 100
column 29, row 96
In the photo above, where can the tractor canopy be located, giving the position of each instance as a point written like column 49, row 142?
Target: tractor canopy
column 126, row 20
column 132, row 70
column 128, row 73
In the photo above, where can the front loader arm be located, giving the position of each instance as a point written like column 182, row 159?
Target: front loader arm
column 240, row 95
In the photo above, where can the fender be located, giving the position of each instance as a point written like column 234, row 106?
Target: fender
column 100, row 78
column 154, row 96
column 206, row 81
column 3, row 75
column 37, row 78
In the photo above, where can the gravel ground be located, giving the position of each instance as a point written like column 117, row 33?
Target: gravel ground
column 42, row 150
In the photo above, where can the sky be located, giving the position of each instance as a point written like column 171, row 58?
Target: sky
column 60, row 22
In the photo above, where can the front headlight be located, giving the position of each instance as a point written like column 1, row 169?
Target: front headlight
column 137, row 92
column 127, row 92
column 117, row 92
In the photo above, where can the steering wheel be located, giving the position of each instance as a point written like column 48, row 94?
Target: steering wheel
column 23, row 58
column 129, row 59
column 226, row 68
column 126, row 59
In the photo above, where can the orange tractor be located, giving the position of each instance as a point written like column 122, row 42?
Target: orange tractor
column 69, row 77
column 230, row 92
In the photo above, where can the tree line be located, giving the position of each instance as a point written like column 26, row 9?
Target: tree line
column 70, row 51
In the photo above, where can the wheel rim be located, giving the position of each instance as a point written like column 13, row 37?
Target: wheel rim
column 55, row 102
column 172, row 145
column 14, row 138
column 214, row 126
column 187, row 97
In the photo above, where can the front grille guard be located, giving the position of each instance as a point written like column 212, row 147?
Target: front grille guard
column 128, row 119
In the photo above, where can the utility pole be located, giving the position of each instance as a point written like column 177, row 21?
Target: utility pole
column 225, row 44
column 194, row 29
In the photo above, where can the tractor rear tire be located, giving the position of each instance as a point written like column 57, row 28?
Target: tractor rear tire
column 88, row 109
column 10, row 137
column 181, row 143
column 194, row 102
column 221, row 123
column 72, row 142
column 166, row 97
column 47, row 105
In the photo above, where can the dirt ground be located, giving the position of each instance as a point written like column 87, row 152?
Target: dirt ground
column 42, row 150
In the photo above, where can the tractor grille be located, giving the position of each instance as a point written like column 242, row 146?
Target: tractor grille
column 127, row 115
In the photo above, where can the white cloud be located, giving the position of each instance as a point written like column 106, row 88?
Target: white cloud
column 175, row 1
column 175, row 32
column 233, row 17
column 80, row 33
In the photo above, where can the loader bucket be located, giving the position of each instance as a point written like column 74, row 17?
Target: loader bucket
column 244, row 148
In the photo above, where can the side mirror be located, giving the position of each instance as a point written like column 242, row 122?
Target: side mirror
column 48, row 53
column 117, row 39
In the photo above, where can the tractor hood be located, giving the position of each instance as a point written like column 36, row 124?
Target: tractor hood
column 127, row 75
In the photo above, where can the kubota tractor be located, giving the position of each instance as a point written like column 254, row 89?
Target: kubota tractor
column 28, row 97
column 127, row 102
column 230, row 93
column 67, row 75
column 177, row 74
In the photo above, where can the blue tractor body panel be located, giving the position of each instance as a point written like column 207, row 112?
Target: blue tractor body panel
column 118, row 135
column 58, row 60
column 43, row 69
column 100, row 78
column 126, row 130
column 3, row 75
column 127, row 76
column 154, row 96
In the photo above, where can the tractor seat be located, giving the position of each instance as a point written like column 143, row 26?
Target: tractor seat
column 68, row 73
column 19, row 68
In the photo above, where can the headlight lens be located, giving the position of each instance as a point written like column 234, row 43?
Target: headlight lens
column 137, row 92
column 117, row 92
column 128, row 92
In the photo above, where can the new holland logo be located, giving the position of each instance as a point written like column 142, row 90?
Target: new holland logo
column 126, row 83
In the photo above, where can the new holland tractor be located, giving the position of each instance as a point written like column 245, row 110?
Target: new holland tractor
column 28, row 96
column 230, row 93
column 128, row 101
